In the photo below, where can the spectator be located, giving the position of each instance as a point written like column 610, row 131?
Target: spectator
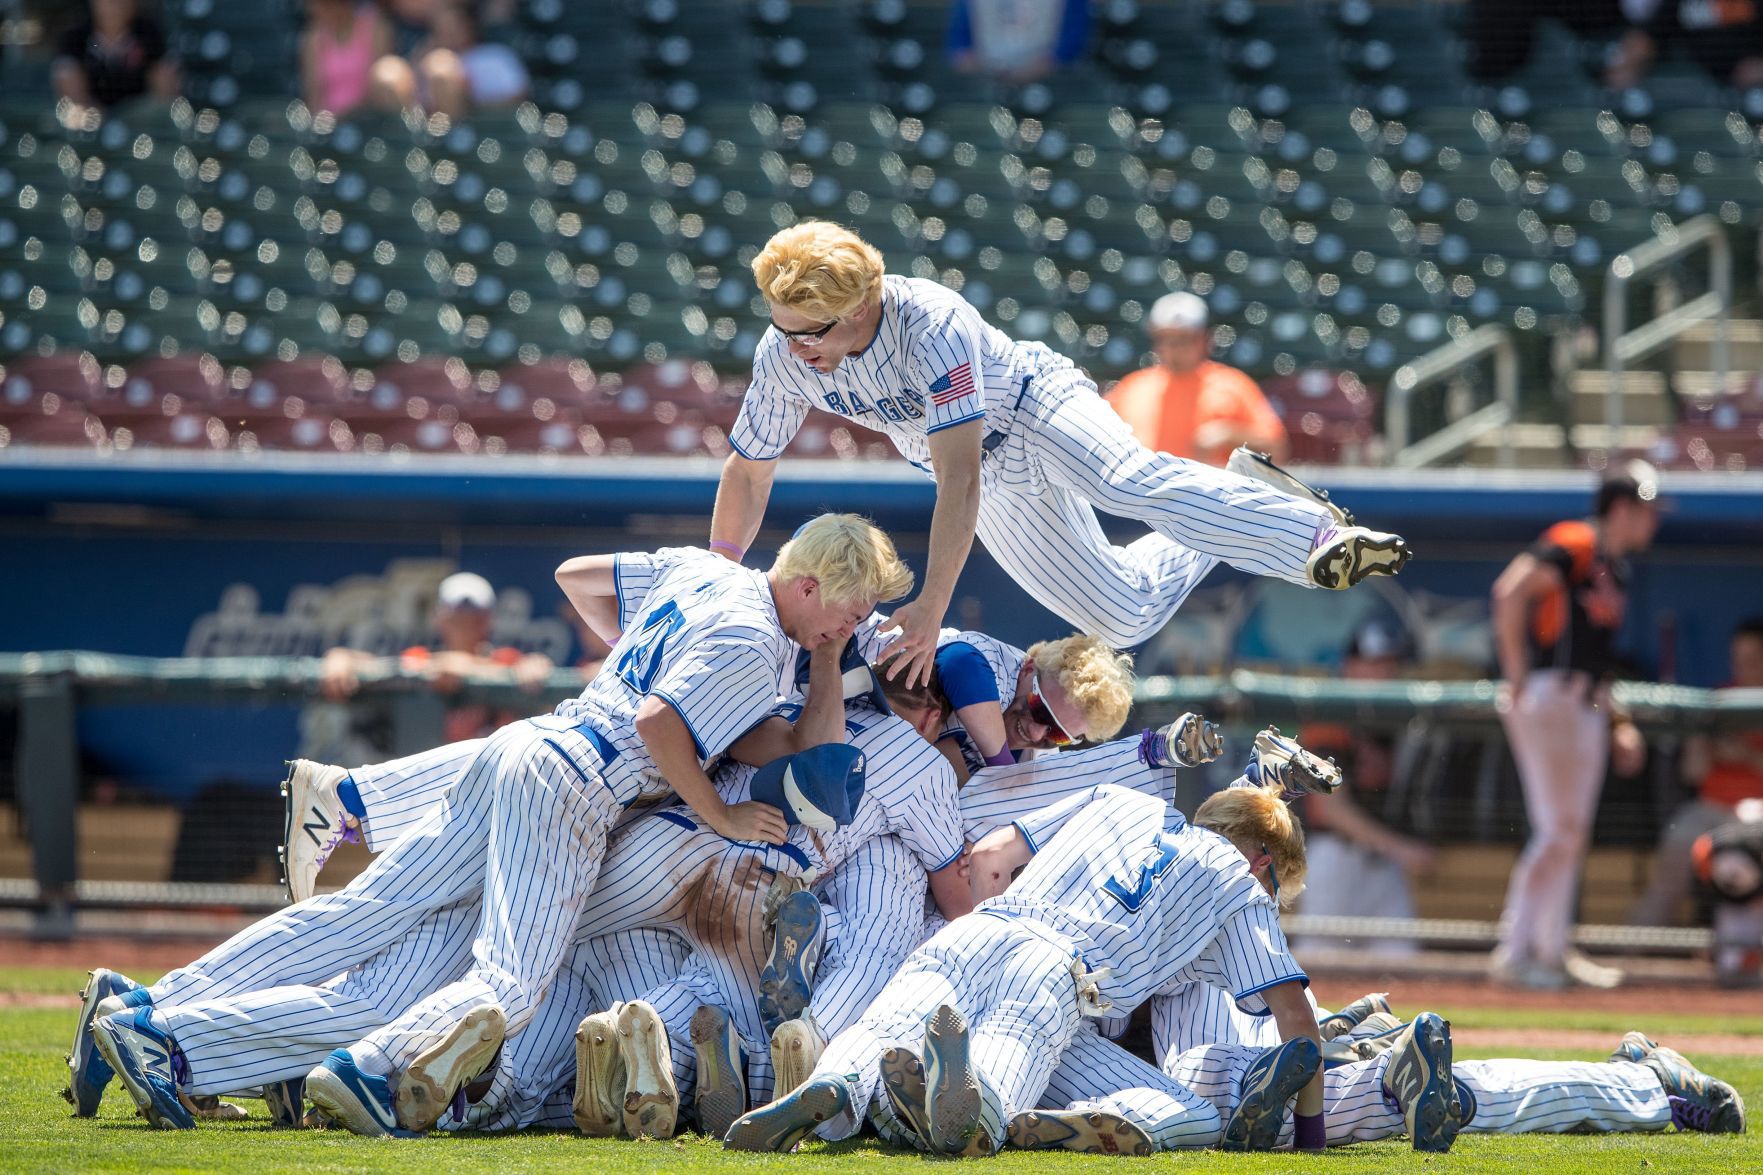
column 1727, row 770
column 342, row 41
column 1360, row 859
column 1190, row 405
column 1729, row 861
column 1556, row 611
column 1502, row 32
column 114, row 55
column 1017, row 40
column 454, row 72
column 1726, row 39
column 464, row 610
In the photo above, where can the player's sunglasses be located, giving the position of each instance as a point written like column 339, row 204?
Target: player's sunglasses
column 1039, row 711
column 804, row 336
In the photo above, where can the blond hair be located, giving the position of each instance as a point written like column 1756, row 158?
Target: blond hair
column 850, row 557
column 1098, row 680
column 1257, row 815
column 818, row 269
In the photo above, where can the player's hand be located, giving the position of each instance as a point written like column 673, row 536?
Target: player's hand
column 1628, row 749
column 752, row 821
column 532, row 671
column 914, row 651
column 336, row 675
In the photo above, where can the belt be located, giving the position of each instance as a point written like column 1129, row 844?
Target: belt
column 998, row 436
column 608, row 752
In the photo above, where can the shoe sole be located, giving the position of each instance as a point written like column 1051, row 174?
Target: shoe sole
column 425, row 1089
column 651, row 1100
column 1087, row 1132
column 1297, row 768
column 599, row 1082
column 786, row 983
column 952, row 1097
column 1431, row 1125
column 902, row 1075
column 721, row 1092
column 1353, row 1015
column 332, row 1098
column 287, row 1103
column 1261, row 1111
column 793, row 1056
column 1353, row 561
column 1246, row 462
column 159, row 1116
column 783, row 1125
column 84, row 1095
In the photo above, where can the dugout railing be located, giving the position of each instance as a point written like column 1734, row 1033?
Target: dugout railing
column 48, row 691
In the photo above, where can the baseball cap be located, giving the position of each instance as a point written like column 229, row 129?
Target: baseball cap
column 818, row 788
column 1633, row 479
column 1179, row 311
column 466, row 590
column 862, row 683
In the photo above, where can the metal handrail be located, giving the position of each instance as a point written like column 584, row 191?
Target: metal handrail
column 1622, row 346
column 1436, row 365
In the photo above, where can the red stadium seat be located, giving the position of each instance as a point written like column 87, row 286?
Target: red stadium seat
column 33, row 381
column 316, row 381
column 311, row 433
column 429, row 436
column 186, row 430
column 73, row 428
column 568, row 383
column 1329, row 415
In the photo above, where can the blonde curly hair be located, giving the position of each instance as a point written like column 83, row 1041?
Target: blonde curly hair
column 818, row 269
column 1259, row 816
column 1099, row 680
column 852, row 559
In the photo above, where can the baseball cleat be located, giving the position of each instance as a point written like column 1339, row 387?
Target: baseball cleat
column 359, row 1102
column 1246, row 462
column 1346, row 556
column 651, row 1099
column 952, row 1101
column 1583, row 971
column 427, row 1086
column 145, row 1057
column 1187, row 742
column 287, row 1102
column 1636, row 1047
column 721, row 1092
column 1376, row 1036
column 1350, row 1017
column 1278, row 759
column 313, row 824
column 902, row 1076
column 783, row 1124
column 88, row 1071
column 599, row 1076
column 1089, row 1132
column 795, row 1050
column 1418, row 1075
column 1267, row 1085
column 1699, row 1101
column 787, row 982
column 209, row 1108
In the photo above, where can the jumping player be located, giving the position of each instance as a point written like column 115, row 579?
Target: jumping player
column 1023, row 451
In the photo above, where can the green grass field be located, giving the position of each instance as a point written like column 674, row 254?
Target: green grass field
column 37, row 1133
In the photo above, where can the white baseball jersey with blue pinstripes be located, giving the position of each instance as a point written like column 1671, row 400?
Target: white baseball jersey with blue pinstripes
column 1005, row 662
column 1154, row 900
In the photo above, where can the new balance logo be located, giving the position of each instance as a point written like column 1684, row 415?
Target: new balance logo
column 319, row 824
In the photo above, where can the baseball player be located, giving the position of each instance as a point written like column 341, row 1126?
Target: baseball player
column 1116, row 896
column 705, row 659
column 1023, row 450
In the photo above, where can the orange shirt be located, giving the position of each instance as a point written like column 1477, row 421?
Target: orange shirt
column 1164, row 409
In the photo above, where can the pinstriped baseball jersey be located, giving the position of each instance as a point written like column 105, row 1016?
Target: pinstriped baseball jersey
column 909, row 792
column 935, row 363
column 635, row 572
column 706, row 640
column 957, row 651
column 1194, row 1014
column 1142, row 893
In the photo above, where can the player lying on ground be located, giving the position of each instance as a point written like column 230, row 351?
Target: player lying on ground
column 1023, row 451
column 705, row 659
column 1117, row 897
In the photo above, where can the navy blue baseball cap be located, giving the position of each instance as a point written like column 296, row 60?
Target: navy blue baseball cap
column 862, row 683
column 818, row 788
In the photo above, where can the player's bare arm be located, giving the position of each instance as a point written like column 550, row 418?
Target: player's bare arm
column 996, row 859
column 589, row 583
column 952, row 889
column 1295, row 1017
column 741, row 496
column 822, row 719
column 1525, row 580
column 955, row 461
column 669, row 742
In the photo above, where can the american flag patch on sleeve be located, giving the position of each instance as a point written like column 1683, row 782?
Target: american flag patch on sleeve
column 953, row 386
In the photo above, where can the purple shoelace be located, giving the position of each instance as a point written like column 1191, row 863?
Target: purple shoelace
column 1687, row 1115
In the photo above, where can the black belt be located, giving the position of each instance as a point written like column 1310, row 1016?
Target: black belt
column 997, row 436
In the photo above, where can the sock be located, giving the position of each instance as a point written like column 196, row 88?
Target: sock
column 350, row 797
column 1310, row 1132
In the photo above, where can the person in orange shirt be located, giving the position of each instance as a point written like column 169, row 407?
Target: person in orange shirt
column 1728, row 771
column 1190, row 405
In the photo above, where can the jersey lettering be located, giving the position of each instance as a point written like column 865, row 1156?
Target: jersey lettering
column 1132, row 895
column 636, row 668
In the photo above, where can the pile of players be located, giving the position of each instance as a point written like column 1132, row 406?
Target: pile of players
column 747, row 882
